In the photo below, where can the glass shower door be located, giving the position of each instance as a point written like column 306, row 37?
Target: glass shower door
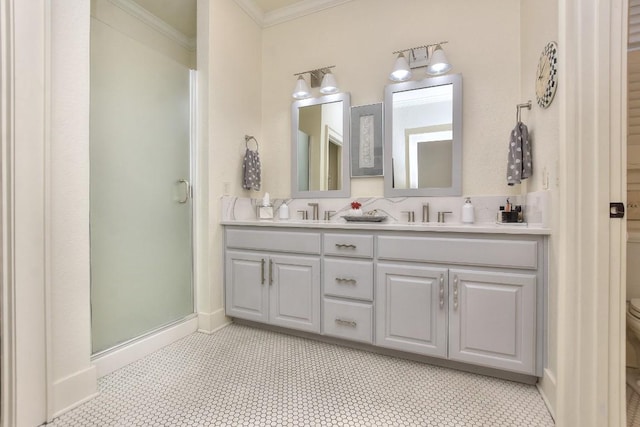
column 141, row 210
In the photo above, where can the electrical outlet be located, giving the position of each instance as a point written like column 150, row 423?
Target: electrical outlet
column 545, row 178
column 226, row 188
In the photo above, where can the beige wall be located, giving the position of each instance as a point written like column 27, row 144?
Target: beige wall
column 234, row 99
column 539, row 25
column 358, row 38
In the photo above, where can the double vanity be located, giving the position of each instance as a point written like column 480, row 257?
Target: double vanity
column 470, row 294
column 466, row 296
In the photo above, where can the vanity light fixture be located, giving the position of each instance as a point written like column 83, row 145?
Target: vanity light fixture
column 430, row 56
column 438, row 63
column 401, row 71
column 301, row 90
column 320, row 77
column 329, row 84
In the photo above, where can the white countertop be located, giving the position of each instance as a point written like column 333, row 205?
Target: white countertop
column 488, row 228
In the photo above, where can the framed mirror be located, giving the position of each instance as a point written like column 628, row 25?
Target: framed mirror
column 320, row 147
column 423, row 137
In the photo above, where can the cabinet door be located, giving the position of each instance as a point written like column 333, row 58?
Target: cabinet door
column 411, row 312
column 294, row 300
column 246, row 287
column 492, row 320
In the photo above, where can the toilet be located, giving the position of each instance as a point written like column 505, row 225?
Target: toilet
column 633, row 339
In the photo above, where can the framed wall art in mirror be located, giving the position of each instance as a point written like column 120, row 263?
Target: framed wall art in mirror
column 320, row 147
column 366, row 140
column 423, row 137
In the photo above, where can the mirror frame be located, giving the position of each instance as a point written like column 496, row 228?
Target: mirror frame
column 345, row 188
column 456, row 184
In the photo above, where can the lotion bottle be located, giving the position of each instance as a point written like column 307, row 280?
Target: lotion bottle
column 283, row 212
column 467, row 212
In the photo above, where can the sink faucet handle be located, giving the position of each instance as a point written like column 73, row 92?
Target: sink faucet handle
column 425, row 212
column 441, row 215
column 305, row 214
column 410, row 216
column 328, row 214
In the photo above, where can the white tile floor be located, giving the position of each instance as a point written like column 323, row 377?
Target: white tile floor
column 241, row 376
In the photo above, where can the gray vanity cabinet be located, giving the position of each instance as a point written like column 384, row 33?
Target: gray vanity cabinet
column 411, row 309
column 246, row 297
column 474, row 298
column 278, row 288
column 492, row 319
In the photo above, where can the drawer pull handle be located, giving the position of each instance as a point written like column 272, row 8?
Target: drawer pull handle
column 345, row 245
column 441, row 290
column 262, row 271
column 455, row 292
column 344, row 322
column 270, row 272
column 342, row 280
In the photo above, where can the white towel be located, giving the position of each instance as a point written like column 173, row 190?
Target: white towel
column 520, row 162
column 251, row 170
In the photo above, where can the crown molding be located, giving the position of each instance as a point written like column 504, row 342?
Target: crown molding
column 156, row 23
column 287, row 13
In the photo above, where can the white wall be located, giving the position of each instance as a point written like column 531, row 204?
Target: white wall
column 539, row 25
column 234, row 99
column 72, row 375
column 358, row 38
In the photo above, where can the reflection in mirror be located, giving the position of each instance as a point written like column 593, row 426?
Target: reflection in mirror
column 320, row 147
column 423, row 147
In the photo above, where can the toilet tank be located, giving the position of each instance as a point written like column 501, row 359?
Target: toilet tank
column 633, row 264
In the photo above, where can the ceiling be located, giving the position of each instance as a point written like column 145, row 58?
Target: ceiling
column 181, row 14
column 271, row 5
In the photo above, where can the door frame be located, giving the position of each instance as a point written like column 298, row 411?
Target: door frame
column 591, row 339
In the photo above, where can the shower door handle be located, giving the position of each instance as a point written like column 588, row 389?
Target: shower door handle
column 187, row 190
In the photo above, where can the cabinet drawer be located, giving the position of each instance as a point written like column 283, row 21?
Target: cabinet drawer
column 354, row 245
column 278, row 241
column 486, row 252
column 349, row 320
column 348, row 278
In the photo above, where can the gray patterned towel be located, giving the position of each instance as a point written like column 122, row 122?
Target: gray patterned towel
column 520, row 162
column 251, row 170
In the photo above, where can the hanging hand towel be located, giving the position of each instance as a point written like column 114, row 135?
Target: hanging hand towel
column 520, row 162
column 251, row 170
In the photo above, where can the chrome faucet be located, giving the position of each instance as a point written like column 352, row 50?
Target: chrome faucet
column 441, row 215
column 327, row 215
column 425, row 212
column 305, row 214
column 314, row 213
column 411, row 217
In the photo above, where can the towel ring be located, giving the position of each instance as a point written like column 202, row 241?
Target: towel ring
column 526, row 105
column 248, row 138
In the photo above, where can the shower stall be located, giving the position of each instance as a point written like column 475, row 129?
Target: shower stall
column 141, row 204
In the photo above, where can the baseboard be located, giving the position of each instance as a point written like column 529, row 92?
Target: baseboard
column 74, row 390
column 121, row 357
column 208, row 323
column 547, row 389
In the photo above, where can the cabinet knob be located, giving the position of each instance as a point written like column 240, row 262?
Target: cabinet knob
column 345, row 245
column 351, row 323
column 455, row 292
column 270, row 272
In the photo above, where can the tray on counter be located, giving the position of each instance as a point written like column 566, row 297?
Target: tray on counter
column 365, row 218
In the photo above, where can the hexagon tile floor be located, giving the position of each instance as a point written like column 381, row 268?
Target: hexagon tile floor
column 241, row 376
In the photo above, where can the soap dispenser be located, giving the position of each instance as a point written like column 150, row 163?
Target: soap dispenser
column 467, row 212
column 283, row 212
